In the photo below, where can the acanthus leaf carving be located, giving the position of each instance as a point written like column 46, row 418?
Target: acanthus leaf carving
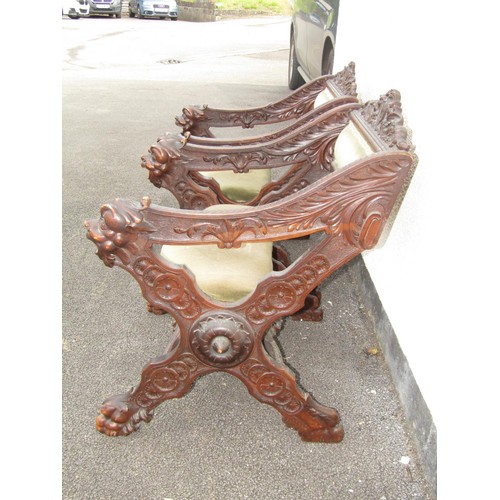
column 345, row 80
column 337, row 205
column 240, row 161
column 385, row 116
column 225, row 231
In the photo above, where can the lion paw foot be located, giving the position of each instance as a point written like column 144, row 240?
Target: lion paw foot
column 119, row 416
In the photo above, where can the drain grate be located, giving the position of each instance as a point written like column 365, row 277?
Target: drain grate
column 170, row 61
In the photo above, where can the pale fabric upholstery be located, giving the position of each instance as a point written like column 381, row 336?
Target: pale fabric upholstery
column 350, row 146
column 323, row 97
column 241, row 187
column 226, row 274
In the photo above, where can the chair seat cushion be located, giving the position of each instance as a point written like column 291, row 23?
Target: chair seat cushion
column 240, row 187
column 225, row 274
column 350, row 146
column 323, row 97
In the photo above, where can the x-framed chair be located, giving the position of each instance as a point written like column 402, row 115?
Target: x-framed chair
column 199, row 120
column 201, row 171
column 212, row 271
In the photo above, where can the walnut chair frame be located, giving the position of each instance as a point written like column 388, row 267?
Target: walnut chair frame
column 176, row 164
column 199, row 120
column 350, row 207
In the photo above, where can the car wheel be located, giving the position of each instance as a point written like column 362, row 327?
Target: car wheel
column 173, row 18
column 74, row 16
column 131, row 14
column 327, row 65
column 119, row 15
column 295, row 79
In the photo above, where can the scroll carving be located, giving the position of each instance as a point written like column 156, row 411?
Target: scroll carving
column 225, row 231
column 239, row 161
column 345, row 80
column 343, row 206
column 385, row 116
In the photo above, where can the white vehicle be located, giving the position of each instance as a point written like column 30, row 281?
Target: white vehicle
column 75, row 8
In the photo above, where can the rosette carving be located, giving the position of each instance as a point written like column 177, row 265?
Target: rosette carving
column 221, row 339
column 166, row 380
column 167, row 287
column 286, row 295
column 119, row 226
column 271, row 385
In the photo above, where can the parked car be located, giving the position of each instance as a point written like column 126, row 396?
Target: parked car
column 153, row 8
column 109, row 7
column 312, row 40
column 75, row 8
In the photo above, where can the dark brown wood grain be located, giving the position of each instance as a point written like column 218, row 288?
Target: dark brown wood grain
column 349, row 207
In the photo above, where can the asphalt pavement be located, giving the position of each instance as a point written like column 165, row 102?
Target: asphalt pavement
column 217, row 442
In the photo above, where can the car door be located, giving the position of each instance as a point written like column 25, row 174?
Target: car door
column 322, row 21
column 301, row 15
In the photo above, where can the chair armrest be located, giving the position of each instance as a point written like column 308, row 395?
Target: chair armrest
column 198, row 120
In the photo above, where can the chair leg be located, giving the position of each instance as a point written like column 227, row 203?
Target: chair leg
column 166, row 377
column 273, row 383
column 312, row 310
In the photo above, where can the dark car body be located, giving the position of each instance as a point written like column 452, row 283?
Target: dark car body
column 313, row 32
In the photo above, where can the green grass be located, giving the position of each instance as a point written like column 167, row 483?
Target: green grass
column 276, row 6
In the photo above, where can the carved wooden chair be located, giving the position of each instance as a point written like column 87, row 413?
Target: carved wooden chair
column 199, row 120
column 201, row 171
column 212, row 271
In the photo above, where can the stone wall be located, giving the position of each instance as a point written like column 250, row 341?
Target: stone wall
column 198, row 10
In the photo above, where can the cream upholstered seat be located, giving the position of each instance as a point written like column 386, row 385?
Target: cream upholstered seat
column 244, row 187
column 225, row 274
column 241, row 187
column 350, row 146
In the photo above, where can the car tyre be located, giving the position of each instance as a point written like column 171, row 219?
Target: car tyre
column 295, row 79
column 131, row 14
column 327, row 66
column 173, row 18
column 119, row 15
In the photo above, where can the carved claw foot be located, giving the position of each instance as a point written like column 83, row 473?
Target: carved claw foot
column 316, row 423
column 119, row 416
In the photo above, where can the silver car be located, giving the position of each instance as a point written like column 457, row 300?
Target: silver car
column 109, row 7
column 312, row 40
column 153, row 8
